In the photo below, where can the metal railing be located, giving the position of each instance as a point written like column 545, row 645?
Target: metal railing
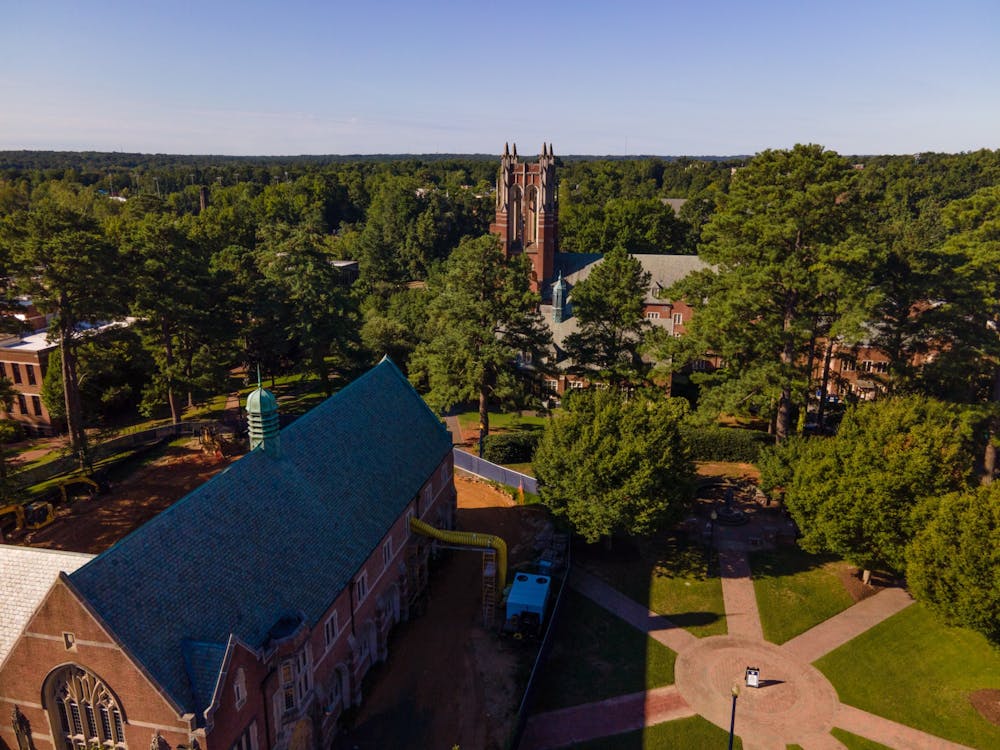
column 129, row 440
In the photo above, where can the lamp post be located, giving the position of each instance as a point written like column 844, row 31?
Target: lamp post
column 732, row 718
column 715, row 517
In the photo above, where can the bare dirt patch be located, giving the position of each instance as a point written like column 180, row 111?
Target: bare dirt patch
column 850, row 577
column 728, row 470
column 450, row 681
column 987, row 703
column 94, row 525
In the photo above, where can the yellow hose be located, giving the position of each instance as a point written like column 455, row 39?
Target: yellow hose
column 470, row 538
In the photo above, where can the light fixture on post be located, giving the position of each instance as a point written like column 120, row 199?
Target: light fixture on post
column 732, row 717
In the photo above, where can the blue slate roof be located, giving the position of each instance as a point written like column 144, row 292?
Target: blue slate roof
column 202, row 662
column 269, row 536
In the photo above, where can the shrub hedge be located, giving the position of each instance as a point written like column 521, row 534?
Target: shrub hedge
column 725, row 443
column 511, row 447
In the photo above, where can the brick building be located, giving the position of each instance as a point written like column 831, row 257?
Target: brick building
column 247, row 614
column 23, row 361
column 527, row 212
column 527, row 221
column 660, row 311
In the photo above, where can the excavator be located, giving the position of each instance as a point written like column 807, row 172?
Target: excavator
column 19, row 517
column 15, row 518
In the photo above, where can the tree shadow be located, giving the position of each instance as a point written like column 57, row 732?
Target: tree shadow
column 785, row 561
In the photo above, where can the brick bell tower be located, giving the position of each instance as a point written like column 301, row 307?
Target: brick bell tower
column 527, row 219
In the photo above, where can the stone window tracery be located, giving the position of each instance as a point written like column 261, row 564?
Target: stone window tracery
column 85, row 713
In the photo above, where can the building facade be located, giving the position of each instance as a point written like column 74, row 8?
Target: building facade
column 23, row 361
column 247, row 614
column 527, row 212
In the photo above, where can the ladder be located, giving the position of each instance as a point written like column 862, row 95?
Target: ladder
column 489, row 587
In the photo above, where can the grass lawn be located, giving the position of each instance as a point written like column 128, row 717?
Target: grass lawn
column 523, row 468
column 854, row 742
column 598, row 655
column 796, row 590
column 676, row 581
column 469, row 420
column 917, row 671
column 692, row 732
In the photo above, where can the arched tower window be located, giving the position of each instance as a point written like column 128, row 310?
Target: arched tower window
column 531, row 215
column 83, row 711
column 516, row 218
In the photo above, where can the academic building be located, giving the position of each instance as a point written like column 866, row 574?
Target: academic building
column 247, row 614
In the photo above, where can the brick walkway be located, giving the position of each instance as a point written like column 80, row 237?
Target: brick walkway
column 795, row 703
column 852, row 622
column 658, row 627
column 888, row 732
column 624, row 713
column 742, row 616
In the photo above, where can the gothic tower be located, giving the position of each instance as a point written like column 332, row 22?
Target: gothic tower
column 527, row 219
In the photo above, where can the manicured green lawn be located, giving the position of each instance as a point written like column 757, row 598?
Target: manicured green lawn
column 523, row 468
column 679, row 582
column 692, row 732
column 598, row 655
column 796, row 590
column 470, row 420
column 854, row 742
column 917, row 671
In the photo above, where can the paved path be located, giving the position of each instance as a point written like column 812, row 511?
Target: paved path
column 742, row 616
column 624, row 713
column 656, row 626
column 455, row 429
column 850, row 623
column 890, row 733
column 795, row 703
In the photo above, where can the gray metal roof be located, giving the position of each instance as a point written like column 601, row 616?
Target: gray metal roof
column 26, row 575
column 664, row 270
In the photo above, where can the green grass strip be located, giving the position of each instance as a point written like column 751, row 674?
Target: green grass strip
column 913, row 669
column 796, row 591
column 598, row 655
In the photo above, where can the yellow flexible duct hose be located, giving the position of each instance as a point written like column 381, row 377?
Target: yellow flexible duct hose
column 470, row 538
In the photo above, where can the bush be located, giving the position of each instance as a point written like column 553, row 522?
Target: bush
column 511, row 447
column 725, row 444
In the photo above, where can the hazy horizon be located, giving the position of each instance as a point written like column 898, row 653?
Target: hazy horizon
column 641, row 78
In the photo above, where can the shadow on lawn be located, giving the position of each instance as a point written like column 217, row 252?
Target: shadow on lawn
column 786, row 561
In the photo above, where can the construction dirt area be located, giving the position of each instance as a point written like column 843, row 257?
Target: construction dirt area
column 448, row 680
column 94, row 525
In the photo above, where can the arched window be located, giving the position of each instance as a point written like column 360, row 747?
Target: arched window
column 84, row 713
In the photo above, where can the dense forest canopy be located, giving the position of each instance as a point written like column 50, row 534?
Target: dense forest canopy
column 246, row 243
column 235, row 261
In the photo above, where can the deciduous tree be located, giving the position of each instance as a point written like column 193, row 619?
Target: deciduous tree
column 854, row 494
column 954, row 563
column 615, row 465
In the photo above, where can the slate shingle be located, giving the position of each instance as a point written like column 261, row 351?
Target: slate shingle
column 269, row 536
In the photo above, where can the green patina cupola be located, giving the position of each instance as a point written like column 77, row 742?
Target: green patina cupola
column 558, row 299
column 262, row 419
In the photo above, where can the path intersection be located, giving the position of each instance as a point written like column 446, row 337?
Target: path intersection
column 795, row 703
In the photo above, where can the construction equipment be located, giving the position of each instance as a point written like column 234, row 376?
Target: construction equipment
column 16, row 518
column 494, row 551
column 78, row 488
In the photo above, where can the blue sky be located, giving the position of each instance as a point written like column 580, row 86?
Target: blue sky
column 668, row 77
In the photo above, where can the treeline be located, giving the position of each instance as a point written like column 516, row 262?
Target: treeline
column 250, row 278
